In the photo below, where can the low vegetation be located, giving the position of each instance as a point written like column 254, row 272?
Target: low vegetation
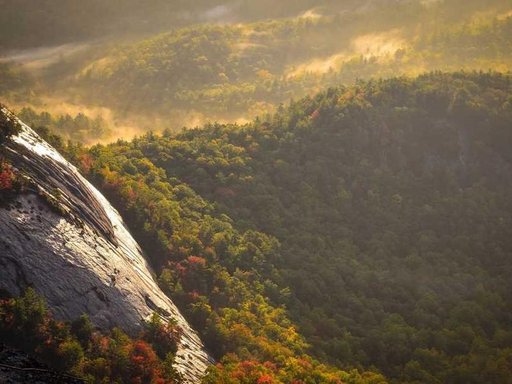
column 77, row 348
column 8, row 125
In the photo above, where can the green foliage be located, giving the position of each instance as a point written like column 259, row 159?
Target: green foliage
column 163, row 337
column 234, row 71
column 212, row 271
column 83, row 329
column 170, row 73
column 8, row 125
column 367, row 226
column 11, row 182
column 217, row 68
column 26, row 323
column 376, row 217
column 53, row 128
column 71, row 355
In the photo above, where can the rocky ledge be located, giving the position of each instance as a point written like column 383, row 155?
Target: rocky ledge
column 80, row 256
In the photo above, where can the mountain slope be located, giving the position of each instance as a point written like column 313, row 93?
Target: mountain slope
column 391, row 204
column 239, row 71
column 62, row 237
column 64, row 21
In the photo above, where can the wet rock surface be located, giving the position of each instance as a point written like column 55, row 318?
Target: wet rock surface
column 80, row 257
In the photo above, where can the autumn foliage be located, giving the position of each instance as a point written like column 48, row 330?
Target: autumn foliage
column 6, row 177
column 78, row 349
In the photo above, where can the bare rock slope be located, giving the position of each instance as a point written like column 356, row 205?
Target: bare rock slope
column 78, row 253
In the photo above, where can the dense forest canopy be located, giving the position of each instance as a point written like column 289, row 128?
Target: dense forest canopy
column 377, row 215
column 229, row 70
column 242, row 60
column 339, row 207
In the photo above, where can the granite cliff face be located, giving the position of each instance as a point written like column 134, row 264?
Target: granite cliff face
column 64, row 239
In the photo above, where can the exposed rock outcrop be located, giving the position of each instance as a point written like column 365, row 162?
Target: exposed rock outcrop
column 80, row 256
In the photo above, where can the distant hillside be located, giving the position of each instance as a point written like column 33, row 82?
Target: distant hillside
column 390, row 214
column 65, row 21
column 169, row 64
column 36, row 23
column 238, row 71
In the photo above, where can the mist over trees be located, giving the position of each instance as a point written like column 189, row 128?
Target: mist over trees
column 338, row 206
column 65, row 21
column 172, row 64
column 377, row 215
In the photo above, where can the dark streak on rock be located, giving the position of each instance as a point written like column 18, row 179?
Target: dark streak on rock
column 72, row 196
column 101, row 295
column 155, row 307
column 21, row 279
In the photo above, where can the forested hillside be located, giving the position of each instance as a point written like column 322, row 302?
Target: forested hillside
column 230, row 61
column 239, row 71
column 323, row 187
column 376, row 218
column 65, row 21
